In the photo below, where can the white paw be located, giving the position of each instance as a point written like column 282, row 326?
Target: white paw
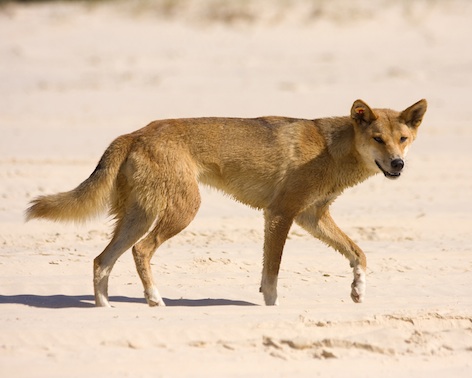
column 271, row 300
column 270, row 296
column 153, row 297
column 358, row 285
column 101, row 300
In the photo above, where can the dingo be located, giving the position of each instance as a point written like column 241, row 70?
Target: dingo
column 292, row 169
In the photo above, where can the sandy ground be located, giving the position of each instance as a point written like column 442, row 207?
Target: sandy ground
column 73, row 77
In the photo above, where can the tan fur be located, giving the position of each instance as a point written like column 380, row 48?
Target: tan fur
column 292, row 169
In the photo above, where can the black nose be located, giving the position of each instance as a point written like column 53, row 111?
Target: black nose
column 397, row 164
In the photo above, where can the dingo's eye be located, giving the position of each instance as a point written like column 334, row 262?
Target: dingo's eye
column 379, row 140
column 403, row 139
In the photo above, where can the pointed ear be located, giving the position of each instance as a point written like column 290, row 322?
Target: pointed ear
column 414, row 114
column 362, row 113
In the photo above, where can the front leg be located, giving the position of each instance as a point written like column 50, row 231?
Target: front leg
column 318, row 222
column 275, row 234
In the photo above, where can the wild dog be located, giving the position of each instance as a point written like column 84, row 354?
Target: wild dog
column 292, row 169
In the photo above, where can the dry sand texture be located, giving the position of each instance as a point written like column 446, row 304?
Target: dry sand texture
column 73, row 76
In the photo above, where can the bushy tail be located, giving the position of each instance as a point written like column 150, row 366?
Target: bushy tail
column 92, row 196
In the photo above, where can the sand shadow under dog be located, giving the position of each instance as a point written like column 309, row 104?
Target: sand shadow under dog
column 84, row 301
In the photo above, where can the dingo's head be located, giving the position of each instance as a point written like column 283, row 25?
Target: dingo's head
column 383, row 136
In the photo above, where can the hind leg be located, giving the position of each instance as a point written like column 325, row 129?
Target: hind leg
column 128, row 231
column 142, row 253
column 182, row 206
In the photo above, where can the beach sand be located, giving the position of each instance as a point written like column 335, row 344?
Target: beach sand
column 74, row 76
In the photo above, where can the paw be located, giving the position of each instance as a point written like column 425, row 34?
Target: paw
column 358, row 285
column 101, row 300
column 271, row 300
column 270, row 297
column 102, row 303
column 153, row 298
column 154, row 303
column 356, row 294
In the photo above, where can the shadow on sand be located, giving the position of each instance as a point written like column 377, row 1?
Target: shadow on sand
column 83, row 301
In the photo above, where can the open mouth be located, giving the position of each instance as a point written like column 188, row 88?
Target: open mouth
column 390, row 175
